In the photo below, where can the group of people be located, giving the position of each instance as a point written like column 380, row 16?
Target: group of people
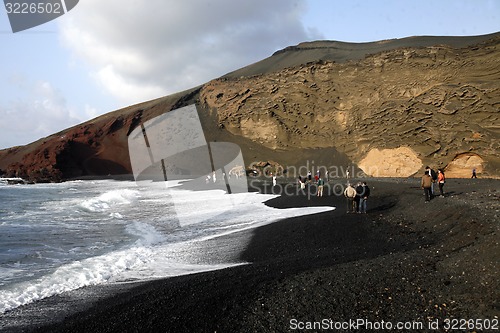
column 318, row 180
column 357, row 197
column 429, row 178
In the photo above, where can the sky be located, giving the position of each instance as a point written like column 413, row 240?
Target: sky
column 105, row 55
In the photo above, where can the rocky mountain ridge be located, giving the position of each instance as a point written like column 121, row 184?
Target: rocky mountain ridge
column 389, row 108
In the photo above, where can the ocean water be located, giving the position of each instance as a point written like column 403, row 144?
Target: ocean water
column 61, row 237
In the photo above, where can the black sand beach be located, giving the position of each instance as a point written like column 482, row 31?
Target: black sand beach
column 405, row 261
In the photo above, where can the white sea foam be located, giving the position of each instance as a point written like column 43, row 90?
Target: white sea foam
column 116, row 215
column 110, row 199
column 132, row 263
column 73, row 276
column 147, row 233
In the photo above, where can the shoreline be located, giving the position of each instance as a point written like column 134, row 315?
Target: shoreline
column 404, row 260
column 130, row 177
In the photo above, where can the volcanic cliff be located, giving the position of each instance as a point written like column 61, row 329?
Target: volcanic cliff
column 388, row 108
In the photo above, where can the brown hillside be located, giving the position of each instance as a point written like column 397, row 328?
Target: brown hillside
column 389, row 107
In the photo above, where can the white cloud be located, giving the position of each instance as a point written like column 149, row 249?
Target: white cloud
column 41, row 112
column 91, row 112
column 119, row 85
column 142, row 50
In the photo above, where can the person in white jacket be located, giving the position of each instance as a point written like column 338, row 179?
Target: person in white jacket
column 350, row 194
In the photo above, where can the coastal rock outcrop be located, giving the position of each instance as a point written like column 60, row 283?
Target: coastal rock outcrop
column 398, row 162
column 437, row 101
column 463, row 164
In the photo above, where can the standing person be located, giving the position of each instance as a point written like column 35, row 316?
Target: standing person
column 474, row 173
column 364, row 198
column 357, row 199
column 309, row 176
column 441, row 180
column 302, row 184
column 433, row 175
column 274, row 180
column 350, row 194
column 321, row 183
column 426, row 185
column 347, row 173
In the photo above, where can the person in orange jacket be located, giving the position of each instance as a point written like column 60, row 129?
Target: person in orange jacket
column 441, row 180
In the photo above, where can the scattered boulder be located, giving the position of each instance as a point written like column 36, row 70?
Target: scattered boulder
column 398, row 162
column 266, row 168
column 16, row 181
column 237, row 171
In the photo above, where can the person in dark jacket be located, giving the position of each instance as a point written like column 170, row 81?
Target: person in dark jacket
column 364, row 197
column 357, row 199
column 434, row 177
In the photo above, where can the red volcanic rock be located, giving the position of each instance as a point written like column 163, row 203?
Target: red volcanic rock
column 95, row 148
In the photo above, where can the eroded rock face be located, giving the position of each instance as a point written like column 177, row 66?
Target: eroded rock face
column 398, row 162
column 463, row 164
column 437, row 101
